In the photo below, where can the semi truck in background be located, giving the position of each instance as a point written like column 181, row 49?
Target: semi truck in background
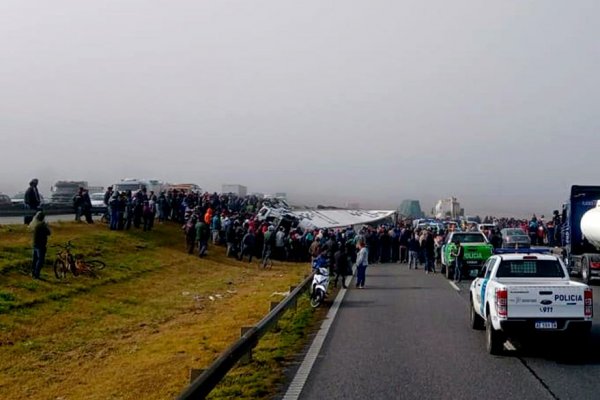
column 134, row 184
column 580, row 232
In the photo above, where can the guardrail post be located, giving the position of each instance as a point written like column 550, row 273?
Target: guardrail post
column 294, row 303
column 273, row 305
column 194, row 373
column 246, row 358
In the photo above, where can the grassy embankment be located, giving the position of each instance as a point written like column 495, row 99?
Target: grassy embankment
column 135, row 332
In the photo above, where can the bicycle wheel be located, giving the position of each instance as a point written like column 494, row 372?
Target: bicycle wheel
column 95, row 265
column 72, row 266
column 60, row 270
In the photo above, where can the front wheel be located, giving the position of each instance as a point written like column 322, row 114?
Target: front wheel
column 494, row 340
column 317, row 298
column 96, row 265
column 60, row 270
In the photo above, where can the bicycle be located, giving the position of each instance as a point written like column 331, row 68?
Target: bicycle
column 89, row 267
column 64, row 261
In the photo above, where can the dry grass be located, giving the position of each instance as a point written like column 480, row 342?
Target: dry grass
column 135, row 332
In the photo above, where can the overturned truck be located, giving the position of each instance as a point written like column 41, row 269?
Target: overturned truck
column 279, row 213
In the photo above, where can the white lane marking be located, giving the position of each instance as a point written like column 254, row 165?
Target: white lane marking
column 454, row 286
column 295, row 388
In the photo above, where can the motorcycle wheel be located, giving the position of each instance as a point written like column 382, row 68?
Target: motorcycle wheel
column 316, row 299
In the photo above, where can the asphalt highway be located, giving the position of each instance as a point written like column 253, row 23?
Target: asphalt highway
column 406, row 336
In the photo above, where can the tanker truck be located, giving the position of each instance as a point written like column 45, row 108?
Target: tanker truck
column 580, row 232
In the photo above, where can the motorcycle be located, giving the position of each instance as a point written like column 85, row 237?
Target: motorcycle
column 320, row 282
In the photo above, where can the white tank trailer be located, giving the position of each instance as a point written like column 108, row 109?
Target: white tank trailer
column 590, row 226
column 580, row 232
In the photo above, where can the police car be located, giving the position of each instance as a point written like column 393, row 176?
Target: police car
column 528, row 293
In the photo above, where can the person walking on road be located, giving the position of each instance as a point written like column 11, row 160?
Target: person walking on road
column 341, row 265
column 429, row 247
column 362, row 262
column 413, row 252
column 41, row 231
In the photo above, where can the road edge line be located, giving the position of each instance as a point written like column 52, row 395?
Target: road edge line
column 295, row 388
column 454, row 286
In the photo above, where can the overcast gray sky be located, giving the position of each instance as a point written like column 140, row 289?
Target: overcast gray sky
column 495, row 102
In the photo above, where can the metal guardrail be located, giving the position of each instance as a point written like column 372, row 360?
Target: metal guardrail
column 206, row 382
column 19, row 211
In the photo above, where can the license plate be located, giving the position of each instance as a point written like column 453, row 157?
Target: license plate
column 546, row 325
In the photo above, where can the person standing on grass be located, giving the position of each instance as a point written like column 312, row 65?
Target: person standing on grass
column 41, row 231
column 362, row 262
column 248, row 243
column 189, row 229
column 202, row 236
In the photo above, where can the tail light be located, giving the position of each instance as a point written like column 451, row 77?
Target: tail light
column 588, row 298
column 502, row 302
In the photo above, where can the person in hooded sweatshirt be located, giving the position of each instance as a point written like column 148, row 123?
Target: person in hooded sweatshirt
column 40, row 231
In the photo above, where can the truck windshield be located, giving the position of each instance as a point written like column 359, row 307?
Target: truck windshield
column 530, row 269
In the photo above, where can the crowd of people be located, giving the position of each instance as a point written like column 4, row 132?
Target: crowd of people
column 540, row 231
column 233, row 222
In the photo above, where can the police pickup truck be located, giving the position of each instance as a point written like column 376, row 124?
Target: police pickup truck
column 528, row 293
column 476, row 251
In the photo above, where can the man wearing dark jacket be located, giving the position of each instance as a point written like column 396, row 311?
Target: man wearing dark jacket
column 248, row 242
column 202, row 236
column 429, row 252
column 40, row 241
column 78, row 204
column 87, row 206
column 32, row 199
